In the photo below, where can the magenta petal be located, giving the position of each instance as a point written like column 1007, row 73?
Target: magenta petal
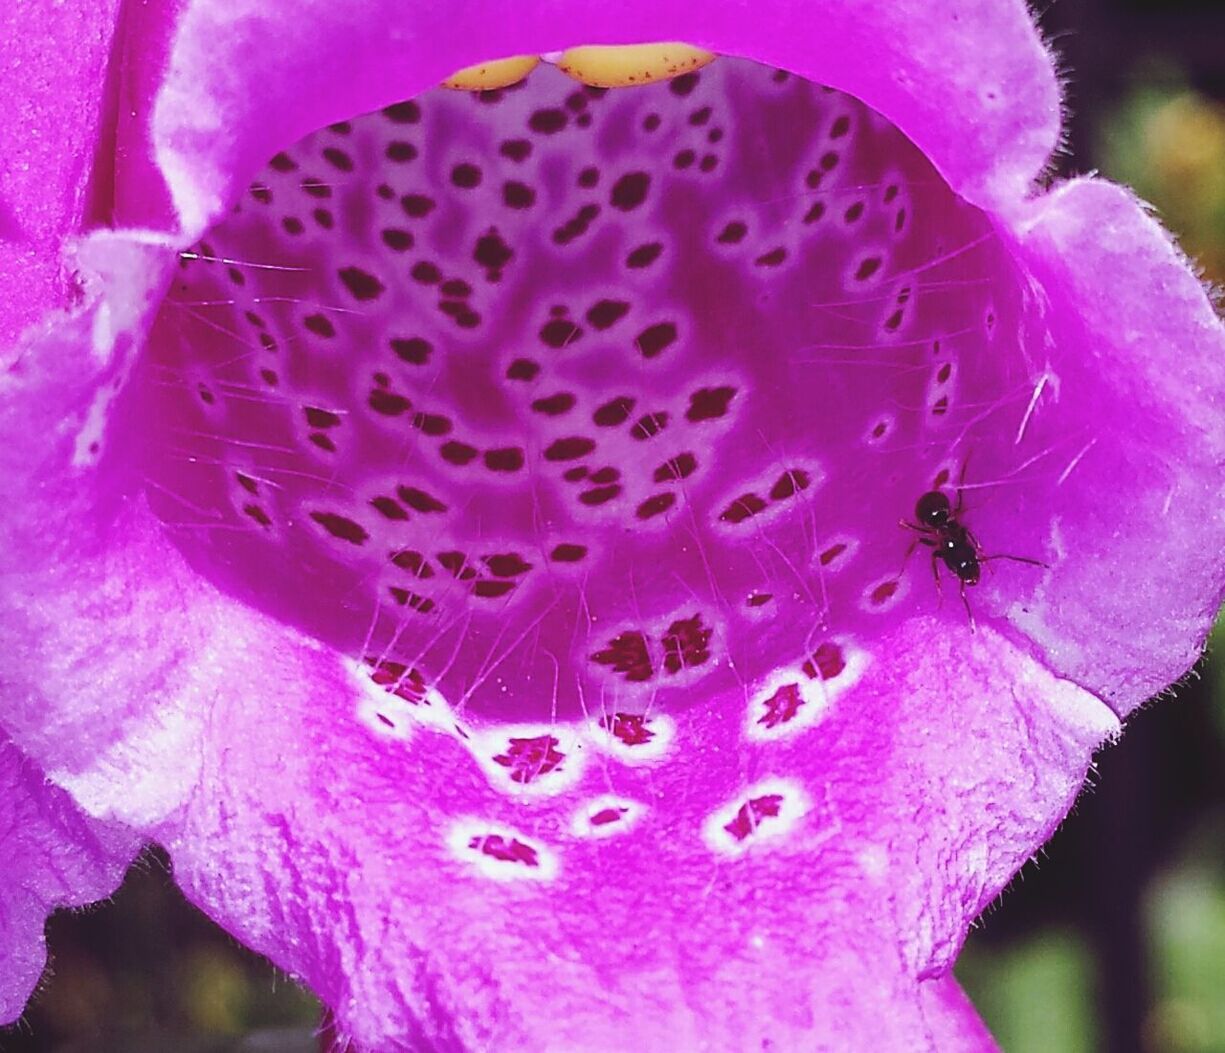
column 794, row 891
column 53, row 70
column 53, row 857
column 644, row 813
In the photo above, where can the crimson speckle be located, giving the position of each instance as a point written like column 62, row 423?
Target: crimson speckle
column 569, row 449
column 827, row 662
column 415, row 350
column 420, row 500
column 630, row 191
column 507, row 459
column 709, row 403
column 568, row 553
column 681, row 466
column 362, row 284
column 744, row 507
column 408, row 112
column 627, row 654
column 751, row 814
column 341, row 527
column 547, row 121
column 559, row 332
column 654, row 339
column 644, row 255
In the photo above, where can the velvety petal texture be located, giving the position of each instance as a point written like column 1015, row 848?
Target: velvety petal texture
column 54, row 856
column 477, row 556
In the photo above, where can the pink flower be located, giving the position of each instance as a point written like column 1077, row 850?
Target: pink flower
column 471, row 542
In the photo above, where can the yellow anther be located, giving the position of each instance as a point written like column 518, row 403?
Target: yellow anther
column 631, row 64
column 485, row 76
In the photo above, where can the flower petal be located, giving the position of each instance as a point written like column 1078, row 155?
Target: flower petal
column 53, row 74
column 53, row 857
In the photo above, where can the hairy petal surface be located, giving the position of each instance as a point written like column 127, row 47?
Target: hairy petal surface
column 476, row 767
column 54, row 856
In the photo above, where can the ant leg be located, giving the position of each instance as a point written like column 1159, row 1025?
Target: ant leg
column 969, row 613
column 961, row 478
column 1016, row 559
column 936, row 575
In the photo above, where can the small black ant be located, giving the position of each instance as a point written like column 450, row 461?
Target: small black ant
column 940, row 527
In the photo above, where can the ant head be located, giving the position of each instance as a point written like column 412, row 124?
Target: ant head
column 933, row 509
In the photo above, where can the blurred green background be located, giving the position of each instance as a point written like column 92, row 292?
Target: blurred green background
column 1112, row 942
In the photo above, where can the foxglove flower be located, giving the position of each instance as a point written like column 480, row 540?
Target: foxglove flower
column 470, row 542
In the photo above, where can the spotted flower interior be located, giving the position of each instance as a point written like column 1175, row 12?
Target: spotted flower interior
column 561, row 405
column 492, row 546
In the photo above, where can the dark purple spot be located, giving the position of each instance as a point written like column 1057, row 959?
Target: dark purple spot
column 506, row 564
column 324, row 218
column 400, row 151
column 385, row 192
column 686, row 644
column 548, row 121
column 709, row 403
column 559, row 333
column 258, row 514
column 588, row 177
column 426, row 273
column 316, row 188
column 840, row 127
column 458, row 453
column 568, row 553
column 684, row 159
column 555, row 405
column 700, row 116
column 829, row 161
column 894, row 321
column 419, row 499
column 576, row 101
column 337, row 158
column 772, row 258
column 319, row 325
column 492, row 589
column 683, row 84
column 832, row 553
column 867, row 268
column 599, row 496
column 405, row 598
column 432, row 424
column 569, row 449
column 708, row 163
column 362, row 284
column 733, row 233
column 573, row 475
column 827, row 662
column 854, row 212
column 523, row 369
column 790, row 483
column 261, row 193
column 417, row 205
column 246, row 482
column 615, row 411
column 518, row 195
column 630, row 191
column 654, row 339
column 655, row 504
column 388, row 507
column 282, row 162
column 506, row 459
column 944, row 372
column 413, row 562
column 492, row 253
column 320, row 418
column 407, row 112
column 455, row 287
column 681, row 466
column 317, row 438
column 466, row 176
column 627, row 654
column 644, row 255
column 397, row 240
column 516, row 149
column 606, row 313
column 341, row 527
column 457, row 564
column 649, row 426
column 292, row 225
column 650, row 122
column 815, row 212
column 413, row 350
column 388, row 403
column 744, row 507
